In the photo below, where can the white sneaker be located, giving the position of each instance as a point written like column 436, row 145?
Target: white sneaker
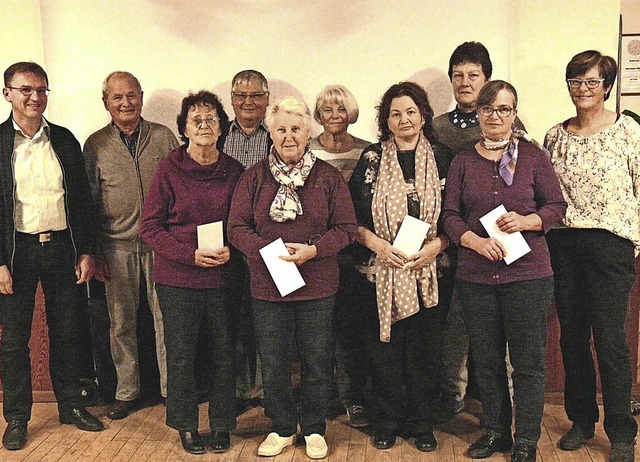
column 316, row 446
column 273, row 444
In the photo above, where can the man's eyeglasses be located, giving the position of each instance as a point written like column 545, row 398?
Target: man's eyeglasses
column 503, row 111
column 251, row 96
column 28, row 91
column 196, row 122
column 574, row 84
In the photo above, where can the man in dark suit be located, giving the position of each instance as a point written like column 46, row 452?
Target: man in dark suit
column 47, row 234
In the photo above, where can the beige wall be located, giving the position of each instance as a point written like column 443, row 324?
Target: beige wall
column 174, row 46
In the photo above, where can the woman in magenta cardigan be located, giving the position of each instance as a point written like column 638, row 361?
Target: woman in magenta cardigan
column 303, row 200
column 191, row 187
column 504, row 304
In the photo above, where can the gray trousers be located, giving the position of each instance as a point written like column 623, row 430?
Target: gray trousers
column 127, row 266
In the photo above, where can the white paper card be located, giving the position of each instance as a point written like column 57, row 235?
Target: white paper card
column 514, row 243
column 284, row 273
column 210, row 236
column 411, row 235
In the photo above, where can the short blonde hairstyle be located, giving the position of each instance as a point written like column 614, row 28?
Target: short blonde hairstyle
column 337, row 94
column 290, row 105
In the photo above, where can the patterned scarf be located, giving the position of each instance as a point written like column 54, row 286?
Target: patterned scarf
column 397, row 288
column 507, row 168
column 286, row 205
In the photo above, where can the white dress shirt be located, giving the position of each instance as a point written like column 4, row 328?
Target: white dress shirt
column 39, row 184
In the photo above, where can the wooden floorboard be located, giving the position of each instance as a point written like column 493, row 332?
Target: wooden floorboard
column 143, row 437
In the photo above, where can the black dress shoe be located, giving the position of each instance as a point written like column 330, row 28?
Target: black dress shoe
column 120, row 409
column 220, row 441
column 15, row 435
column 489, row 443
column 426, row 442
column 384, row 439
column 81, row 418
column 576, row 437
column 192, row 442
column 523, row 452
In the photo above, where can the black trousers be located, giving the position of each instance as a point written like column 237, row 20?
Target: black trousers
column 513, row 314
column 53, row 265
column 405, row 370
column 594, row 272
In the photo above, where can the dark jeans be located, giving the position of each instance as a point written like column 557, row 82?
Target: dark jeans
column 309, row 324
column 594, row 272
column 515, row 314
column 405, row 370
column 185, row 312
column 53, row 265
column 352, row 369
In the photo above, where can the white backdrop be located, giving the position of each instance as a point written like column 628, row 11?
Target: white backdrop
column 174, row 46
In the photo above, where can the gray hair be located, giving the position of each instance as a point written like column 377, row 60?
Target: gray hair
column 248, row 77
column 105, row 84
column 336, row 94
column 289, row 105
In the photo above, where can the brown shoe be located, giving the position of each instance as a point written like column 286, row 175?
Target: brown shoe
column 120, row 409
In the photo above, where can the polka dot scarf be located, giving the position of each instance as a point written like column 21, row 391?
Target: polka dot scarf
column 397, row 288
column 286, row 205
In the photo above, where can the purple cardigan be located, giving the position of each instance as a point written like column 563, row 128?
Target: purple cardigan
column 328, row 218
column 474, row 188
column 183, row 195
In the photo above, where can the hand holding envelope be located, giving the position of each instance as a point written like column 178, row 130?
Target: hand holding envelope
column 513, row 243
column 211, row 250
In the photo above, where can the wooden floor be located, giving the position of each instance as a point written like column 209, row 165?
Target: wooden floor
column 143, row 436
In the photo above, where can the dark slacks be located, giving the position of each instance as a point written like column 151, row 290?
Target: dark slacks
column 405, row 370
column 185, row 313
column 594, row 272
column 514, row 314
column 53, row 265
column 352, row 369
column 310, row 324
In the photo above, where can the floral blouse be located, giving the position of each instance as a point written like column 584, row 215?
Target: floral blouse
column 600, row 177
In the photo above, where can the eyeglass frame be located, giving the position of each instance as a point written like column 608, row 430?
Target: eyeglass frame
column 198, row 122
column 28, row 91
column 585, row 83
column 252, row 96
column 496, row 110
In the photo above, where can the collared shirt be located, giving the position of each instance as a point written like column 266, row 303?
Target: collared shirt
column 248, row 149
column 39, row 183
column 131, row 142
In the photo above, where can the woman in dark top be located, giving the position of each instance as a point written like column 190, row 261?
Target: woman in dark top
column 303, row 200
column 404, row 309
column 504, row 303
column 193, row 186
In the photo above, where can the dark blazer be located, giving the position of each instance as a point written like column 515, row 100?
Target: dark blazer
column 81, row 218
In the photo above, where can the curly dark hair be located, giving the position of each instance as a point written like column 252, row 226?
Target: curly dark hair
column 203, row 98
column 582, row 62
column 418, row 95
column 471, row 52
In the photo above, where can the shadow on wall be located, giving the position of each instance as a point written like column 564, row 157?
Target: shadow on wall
column 226, row 18
column 438, row 87
column 163, row 105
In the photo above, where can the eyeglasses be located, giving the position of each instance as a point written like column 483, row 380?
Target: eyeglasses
column 251, row 96
column 574, row 84
column 28, row 91
column 503, row 111
column 209, row 121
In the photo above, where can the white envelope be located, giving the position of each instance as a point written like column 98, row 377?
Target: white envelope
column 210, row 236
column 411, row 235
column 285, row 274
column 514, row 243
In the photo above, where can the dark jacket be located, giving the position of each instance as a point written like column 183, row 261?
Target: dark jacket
column 79, row 208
